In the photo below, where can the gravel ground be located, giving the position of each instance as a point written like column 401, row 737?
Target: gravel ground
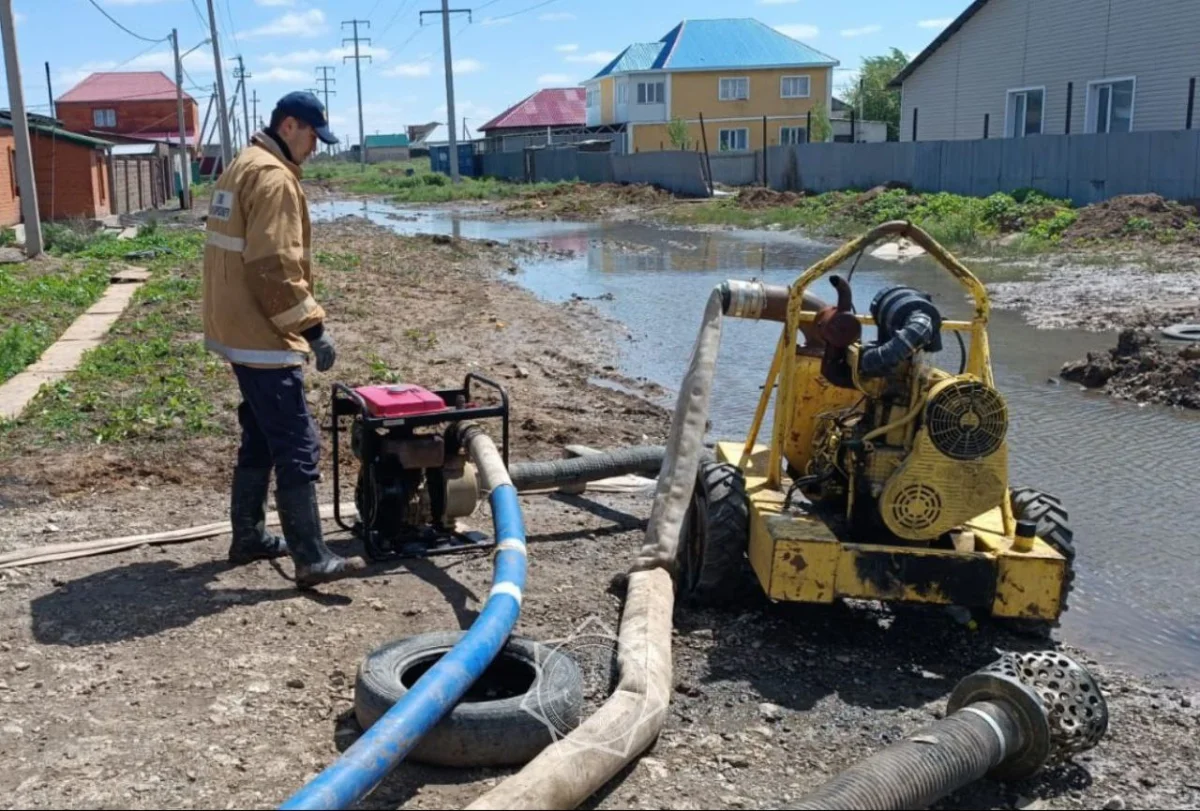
column 163, row 678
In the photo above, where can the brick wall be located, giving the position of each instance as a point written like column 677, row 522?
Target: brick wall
column 10, row 204
column 66, row 183
column 132, row 116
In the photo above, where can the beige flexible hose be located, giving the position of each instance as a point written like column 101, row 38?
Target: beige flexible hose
column 572, row 769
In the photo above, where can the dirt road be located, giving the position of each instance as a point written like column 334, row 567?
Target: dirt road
column 164, row 678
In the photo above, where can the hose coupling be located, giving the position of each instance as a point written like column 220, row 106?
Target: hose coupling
column 1054, row 702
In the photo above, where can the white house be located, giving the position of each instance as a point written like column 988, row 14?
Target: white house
column 1015, row 68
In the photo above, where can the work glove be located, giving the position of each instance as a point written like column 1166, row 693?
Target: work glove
column 324, row 349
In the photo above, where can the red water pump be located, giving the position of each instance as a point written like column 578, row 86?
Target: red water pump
column 414, row 478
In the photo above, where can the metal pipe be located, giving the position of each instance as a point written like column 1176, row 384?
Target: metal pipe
column 381, row 748
column 1006, row 721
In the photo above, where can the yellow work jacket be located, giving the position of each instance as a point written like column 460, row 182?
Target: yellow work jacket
column 258, row 285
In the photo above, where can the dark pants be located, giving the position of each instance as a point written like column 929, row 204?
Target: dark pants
column 277, row 428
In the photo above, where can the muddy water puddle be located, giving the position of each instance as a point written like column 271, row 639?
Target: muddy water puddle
column 1124, row 472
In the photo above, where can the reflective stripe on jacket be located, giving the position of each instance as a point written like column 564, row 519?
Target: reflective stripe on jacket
column 258, row 285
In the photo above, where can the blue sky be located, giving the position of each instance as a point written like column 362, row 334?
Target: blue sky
column 511, row 48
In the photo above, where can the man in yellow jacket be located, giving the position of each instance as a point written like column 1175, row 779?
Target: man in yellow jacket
column 260, row 315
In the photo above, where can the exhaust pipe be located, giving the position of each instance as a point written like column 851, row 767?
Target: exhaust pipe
column 364, row 765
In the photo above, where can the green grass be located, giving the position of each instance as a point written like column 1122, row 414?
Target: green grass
column 36, row 307
column 422, row 186
column 152, row 378
column 954, row 220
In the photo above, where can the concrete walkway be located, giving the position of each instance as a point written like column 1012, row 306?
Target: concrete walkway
column 64, row 355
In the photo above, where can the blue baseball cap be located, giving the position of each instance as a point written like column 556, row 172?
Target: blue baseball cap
column 307, row 108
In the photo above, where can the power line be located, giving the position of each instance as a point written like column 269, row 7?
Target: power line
column 534, row 7
column 112, row 20
column 399, row 9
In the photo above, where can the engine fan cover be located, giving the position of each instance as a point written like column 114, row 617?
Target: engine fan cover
column 966, row 419
column 958, row 466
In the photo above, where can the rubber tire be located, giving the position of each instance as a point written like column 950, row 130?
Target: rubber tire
column 1182, row 332
column 1054, row 528
column 484, row 733
column 713, row 568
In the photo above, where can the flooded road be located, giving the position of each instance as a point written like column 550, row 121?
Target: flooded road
column 1124, row 472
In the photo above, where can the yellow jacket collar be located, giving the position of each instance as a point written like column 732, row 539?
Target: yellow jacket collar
column 262, row 139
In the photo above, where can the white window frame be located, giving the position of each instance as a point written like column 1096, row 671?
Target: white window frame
column 651, row 83
column 807, row 94
column 721, row 133
column 1009, row 132
column 623, row 93
column 721, row 88
column 1090, row 105
column 101, row 117
column 783, row 129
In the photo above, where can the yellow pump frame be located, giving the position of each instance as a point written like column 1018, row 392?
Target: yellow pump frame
column 797, row 558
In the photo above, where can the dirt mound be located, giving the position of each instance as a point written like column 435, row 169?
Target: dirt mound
column 1137, row 217
column 1142, row 369
column 759, row 197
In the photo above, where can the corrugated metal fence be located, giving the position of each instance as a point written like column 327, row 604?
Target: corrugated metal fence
column 1084, row 168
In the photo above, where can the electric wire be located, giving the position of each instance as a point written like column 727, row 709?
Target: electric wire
column 115, row 22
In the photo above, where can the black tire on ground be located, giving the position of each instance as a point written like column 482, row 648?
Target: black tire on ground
column 1054, row 528
column 531, row 695
column 713, row 568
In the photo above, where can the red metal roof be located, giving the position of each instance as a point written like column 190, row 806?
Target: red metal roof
column 552, row 107
column 150, row 85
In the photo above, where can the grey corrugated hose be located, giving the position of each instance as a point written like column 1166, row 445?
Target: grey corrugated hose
column 568, row 772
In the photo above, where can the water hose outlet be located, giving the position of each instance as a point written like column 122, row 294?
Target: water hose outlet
column 1055, row 702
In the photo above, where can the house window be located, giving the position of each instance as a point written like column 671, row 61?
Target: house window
column 651, row 93
column 591, row 97
column 1110, row 105
column 735, row 89
column 791, row 135
column 1024, row 114
column 104, row 118
column 795, row 87
column 623, row 94
column 735, row 140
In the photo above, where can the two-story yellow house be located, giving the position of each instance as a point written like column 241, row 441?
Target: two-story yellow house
column 732, row 72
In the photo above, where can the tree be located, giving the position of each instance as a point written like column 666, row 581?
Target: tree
column 870, row 96
column 677, row 131
column 822, row 129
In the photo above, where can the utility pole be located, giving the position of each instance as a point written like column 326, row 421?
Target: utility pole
column 241, row 75
column 50, row 92
column 362, row 138
column 325, row 82
column 255, row 100
column 185, row 165
column 222, row 110
column 24, row 153
column 446, row 12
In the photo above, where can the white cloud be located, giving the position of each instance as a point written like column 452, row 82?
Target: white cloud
column 276, row 2
column 861, row 32
column 314, row 57
column 465, row 66
column 566, row 49
column 412, row 70
column 554, row 79
column 495, row 21
column 941, row 22
column 799, row 31
column 196, row 63
column 557, row 17
column 307, row 24
column 284, row 75
column 593, row 58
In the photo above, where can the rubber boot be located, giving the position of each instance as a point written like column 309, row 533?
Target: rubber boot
column 248, row 515
column 301, row 519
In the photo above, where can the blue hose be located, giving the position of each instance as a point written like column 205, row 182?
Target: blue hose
column 364, row 765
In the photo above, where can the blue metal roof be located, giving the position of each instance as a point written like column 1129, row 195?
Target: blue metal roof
column 638, row 56
column 718, row 44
